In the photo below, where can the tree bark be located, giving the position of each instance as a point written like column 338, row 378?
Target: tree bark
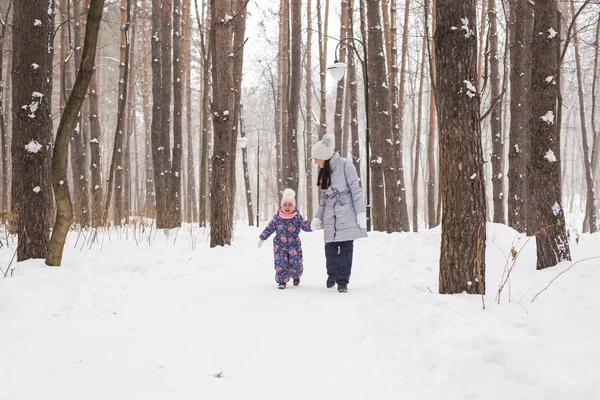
column 496, row 118
column 462, row 258
column 32, row 125
column 292, row 176
column 221, row 220
column 158, row 145
column 520, row 109
column 192, row 208
column 415, row 186
column 64, row 210
column 339, row 94
column 543, row 165
column 308, row 137
column 178, row 78
column 322, row 29
column 4, row 188
column 433, row 219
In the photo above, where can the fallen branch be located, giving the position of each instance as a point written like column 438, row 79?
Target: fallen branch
column 556, row 277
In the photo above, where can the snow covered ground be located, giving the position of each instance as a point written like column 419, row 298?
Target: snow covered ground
column 141, row 315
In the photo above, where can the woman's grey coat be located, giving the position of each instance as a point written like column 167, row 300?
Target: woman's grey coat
column 341, row 202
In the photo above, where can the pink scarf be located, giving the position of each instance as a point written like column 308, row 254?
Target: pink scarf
column 283, row 215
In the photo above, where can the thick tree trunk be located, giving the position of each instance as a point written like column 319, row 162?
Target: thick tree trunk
column 386, row 194
column 32, row 125
column 520, row 109
column 158, row 145
column 64, row 210
column 149, row 196
column 95, row 150
column 543, row 166
column 496, row 119
column 353, row 96
column 462, row 258
column 221, row 219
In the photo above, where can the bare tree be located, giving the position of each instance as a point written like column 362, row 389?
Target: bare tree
column 192, row 208
column 149, row 199
column 32, row 125
column 339, row 95
column 462, row 258
column 64, row 209
column 178, row 77
column 221, row 219
column 416, row 170
column 543, row 164
column 4, row 189
column 322, row 29
column 292, row 175
column 496, row 117
column 308, row 136
column 520, row 109
column 432, row 182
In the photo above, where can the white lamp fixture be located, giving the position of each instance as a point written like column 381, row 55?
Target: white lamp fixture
column 337, row 70
column 243, row 142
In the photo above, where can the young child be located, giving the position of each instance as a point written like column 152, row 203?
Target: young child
column 287, row 247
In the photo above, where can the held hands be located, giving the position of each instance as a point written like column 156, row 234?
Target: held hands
column 361, row 220
column 260, row 243
column 316, row 224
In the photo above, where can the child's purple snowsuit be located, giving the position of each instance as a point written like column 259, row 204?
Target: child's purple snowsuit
column 287, row 247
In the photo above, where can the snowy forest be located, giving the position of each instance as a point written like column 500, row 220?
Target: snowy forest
column 136, row 134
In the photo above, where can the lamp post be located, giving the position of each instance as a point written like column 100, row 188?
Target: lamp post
column 337, row 70
column 257, row 169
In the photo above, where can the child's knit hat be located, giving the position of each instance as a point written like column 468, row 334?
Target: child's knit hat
column 323, row 149
column 289, row 197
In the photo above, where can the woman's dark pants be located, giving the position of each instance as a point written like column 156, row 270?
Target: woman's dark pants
column 339, row 261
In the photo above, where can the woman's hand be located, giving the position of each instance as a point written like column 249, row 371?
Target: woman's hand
column 316, row 224
column 361, row 220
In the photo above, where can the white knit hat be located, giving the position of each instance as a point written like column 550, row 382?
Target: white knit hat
column 323, row 149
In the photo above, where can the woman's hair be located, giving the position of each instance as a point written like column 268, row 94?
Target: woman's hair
column 324, row 180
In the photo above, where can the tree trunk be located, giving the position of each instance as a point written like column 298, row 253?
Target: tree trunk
column 192, row 208
column 221, row 219
column 432, row 182
column 166, row 54
column 178, row 78
column 353, row 96
column 4, row 189
column 244, row 146
column 415, row 187
column 79, row 141
column 32, row 125
column 158, row 145
column 64, row 210
column 590, row 221
column 543, row 166
column 397, row 109
column 386, row 192
column 95, row 150
column 339, row 94
column 520, row 109
column 308, row 137
column 462, row 258
column 292, row 176
column 322, row 29
column 149, row 199
column 115, row 177
column 496, row 118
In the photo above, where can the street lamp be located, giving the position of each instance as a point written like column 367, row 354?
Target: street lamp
column 337, row 70
column 257, row 169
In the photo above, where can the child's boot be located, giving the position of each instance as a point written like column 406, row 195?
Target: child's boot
column 281, row 285
column 296, row 281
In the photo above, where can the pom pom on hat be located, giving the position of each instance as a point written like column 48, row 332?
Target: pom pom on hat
column 288, row 197
column 324, row 148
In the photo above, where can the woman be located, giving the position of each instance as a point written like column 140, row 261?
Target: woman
column 341, row 211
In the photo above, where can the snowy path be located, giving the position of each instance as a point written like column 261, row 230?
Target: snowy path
column 121, row 321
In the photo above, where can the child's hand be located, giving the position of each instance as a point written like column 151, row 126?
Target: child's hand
column 316, row 224
column 260, row 243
